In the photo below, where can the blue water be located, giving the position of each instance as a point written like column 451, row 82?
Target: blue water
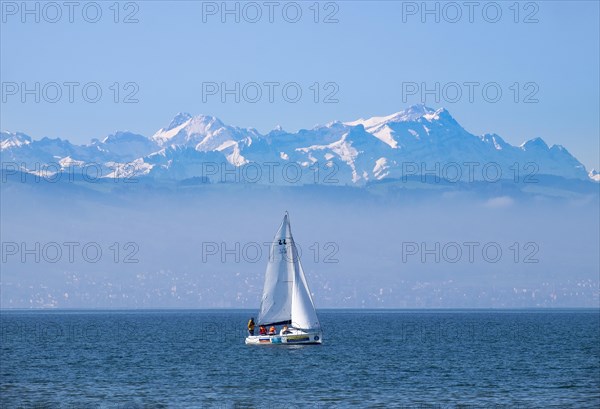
column 404, row 359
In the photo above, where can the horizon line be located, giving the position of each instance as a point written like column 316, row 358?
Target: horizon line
column 318, row 309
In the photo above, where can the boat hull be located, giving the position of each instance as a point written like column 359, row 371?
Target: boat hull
column 297, row 338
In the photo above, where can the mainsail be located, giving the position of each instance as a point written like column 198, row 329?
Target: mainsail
column 286, row 298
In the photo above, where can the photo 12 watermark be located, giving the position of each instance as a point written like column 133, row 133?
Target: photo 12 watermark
column 469, row 172
column 53, row 92
column 255, row 252
column 253, row 12
column 56, row 12
column 455, row 12
column 469, row 252
column 271, row 92
column 453, row 92
column 71, row 171
column 61, row 331
column 270, row 172
column 464, row 332
column 71, row 252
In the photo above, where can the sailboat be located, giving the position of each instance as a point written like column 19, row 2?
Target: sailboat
column 286, row 298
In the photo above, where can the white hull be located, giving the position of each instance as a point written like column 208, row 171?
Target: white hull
column 295, row 338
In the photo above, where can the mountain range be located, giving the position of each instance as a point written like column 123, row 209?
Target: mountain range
column 417, row 142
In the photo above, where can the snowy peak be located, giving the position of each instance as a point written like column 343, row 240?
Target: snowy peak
column 412, row 113
column 179, row 119
column 414, row 123
column 185, row 129
column 207, row 133
column 127, row 146
column 416, row 111
column 10, row 140
column 534, row 144
column 495, row 140
column 123, row 136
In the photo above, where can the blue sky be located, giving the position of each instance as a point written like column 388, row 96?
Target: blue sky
column 369, row 59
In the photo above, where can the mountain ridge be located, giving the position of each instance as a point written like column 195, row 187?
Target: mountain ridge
column 414, row 141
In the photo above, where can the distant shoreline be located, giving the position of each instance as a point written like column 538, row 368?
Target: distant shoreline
column 326, row 310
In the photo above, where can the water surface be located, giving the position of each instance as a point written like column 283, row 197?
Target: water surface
column 405, row 359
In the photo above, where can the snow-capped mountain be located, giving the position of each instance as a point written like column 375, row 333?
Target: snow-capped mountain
column 206, row 134
column 414, row 142
column 13, row 140
column 126, row 146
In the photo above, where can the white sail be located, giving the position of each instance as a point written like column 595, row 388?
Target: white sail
column 276, row 303
column 286, row 297
column 304, row 315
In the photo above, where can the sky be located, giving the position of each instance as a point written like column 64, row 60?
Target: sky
column 153, row 59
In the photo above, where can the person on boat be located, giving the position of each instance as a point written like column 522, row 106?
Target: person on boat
column 251, row 326
column 285, row 330
column 272, row 330
column 262, row 330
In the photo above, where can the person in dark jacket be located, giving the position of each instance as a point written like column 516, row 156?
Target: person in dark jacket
column 251, row 326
